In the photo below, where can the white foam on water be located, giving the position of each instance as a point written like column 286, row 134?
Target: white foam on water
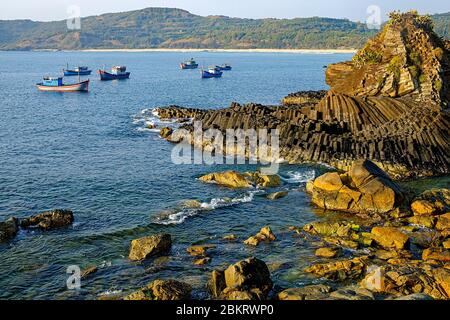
column 298, row 176
column 150, row 117
column 178, row 217
column 110, row 293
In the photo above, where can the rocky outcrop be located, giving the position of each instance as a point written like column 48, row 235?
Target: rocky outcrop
column 162, row 290
column 304, row 98
column 265, row 234
column 340, row 270
column 245, row 280
column 365, row 188
column 146, row 247
column 49, row 220
column 233, row 179
column 432, row 202
column 313, row 292
column 8, row 229
column 390, row 237
column 388, row 105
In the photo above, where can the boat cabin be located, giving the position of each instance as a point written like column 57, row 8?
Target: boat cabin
column 118, row 70
column 52, row 82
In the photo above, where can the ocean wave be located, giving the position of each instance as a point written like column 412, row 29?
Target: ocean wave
column 193, row 208
column 298, row 176
column 148, row 120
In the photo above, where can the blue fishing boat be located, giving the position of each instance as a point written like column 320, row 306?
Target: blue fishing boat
column 189, row 64
column 225, row 67
column 211, row 72
column 117, row 73
column 78, row 71
column 57, row 85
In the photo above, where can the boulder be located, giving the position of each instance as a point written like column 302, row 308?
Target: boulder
column 8, row 229
column 390, row 237
column 340, row 270
column 432, row 202
column 166, row 132
column 312, row 292
column 443, row 222
column 277, row 195
column 163, row 290
column 217, row 283
column 328, row 252
column 145, row 247
column 234, row 294
column 233, row 179
column 436, row 254
column 248, row 274
column 265, row 234
column 49, row 220
column 365, row 188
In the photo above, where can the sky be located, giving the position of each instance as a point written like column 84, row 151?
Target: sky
column 356, row 10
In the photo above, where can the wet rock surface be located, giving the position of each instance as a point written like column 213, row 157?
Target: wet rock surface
column 364, row 188
column 8, row 229
column 146, row 247
column 162, row 290
column 49, row 220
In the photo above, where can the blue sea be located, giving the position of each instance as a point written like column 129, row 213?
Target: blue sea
column 91, row 153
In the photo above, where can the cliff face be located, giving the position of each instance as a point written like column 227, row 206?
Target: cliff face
column 405, row 59
column 389, row 105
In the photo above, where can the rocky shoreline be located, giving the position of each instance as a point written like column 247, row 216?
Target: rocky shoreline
column 384, row 119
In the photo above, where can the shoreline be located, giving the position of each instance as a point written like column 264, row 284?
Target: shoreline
column 294, row 51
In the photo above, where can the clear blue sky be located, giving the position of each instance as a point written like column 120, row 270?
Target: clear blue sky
column 45, row 10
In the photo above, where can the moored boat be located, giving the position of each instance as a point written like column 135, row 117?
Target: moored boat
column 78, row 71
column 212, row 72
column 117, row 73
column 57, row 85
column 225, row 67
column 189, row 64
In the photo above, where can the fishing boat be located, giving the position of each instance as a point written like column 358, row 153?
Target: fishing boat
column 189, row 64
column 57, row 85
column 211, row 72
column 117, row 73
column 225, row 67
column 82, row 71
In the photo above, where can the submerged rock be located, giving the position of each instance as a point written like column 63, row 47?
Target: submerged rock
column 163, row 290
column 277, row 195
column 49, row 220
column 8, row 229
column 200, row 250
column 143, row 248
column 364, row 189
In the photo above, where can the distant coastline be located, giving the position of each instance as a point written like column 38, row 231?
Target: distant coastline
column 319, row 51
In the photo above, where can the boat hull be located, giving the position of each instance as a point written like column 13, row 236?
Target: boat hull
column 68, row 73
column 208, row 75
column 106, row 76
column 82, row 86
column 188, row 66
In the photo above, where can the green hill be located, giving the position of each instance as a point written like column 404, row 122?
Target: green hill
column 176, row 28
